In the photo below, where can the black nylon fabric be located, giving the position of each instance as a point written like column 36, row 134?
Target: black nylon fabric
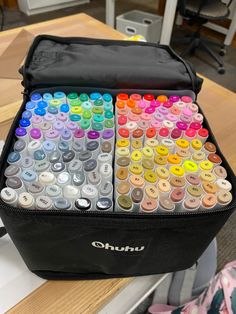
column 107, row 64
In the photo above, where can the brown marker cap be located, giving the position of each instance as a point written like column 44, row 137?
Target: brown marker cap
column 177, row 182
column 106, row 147
column 137, row 133
column 136, row 180
column 192, row 203
column 123, row 161
column 195, row 191
column 148, row 164
column 177, row 195
column 166, row 203
column 136, row 144
column 160, row 160
column 220, row 172
column 214, row 158
column 209, row 200
column 122, row 173
column 193, row 179
column 137, row 195
column 224, row 197
column 125, row 202
column 149, row 205
column 210, row 147
column 210, row 187
column 123, row 188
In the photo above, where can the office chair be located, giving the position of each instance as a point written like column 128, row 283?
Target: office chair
column 200, row 12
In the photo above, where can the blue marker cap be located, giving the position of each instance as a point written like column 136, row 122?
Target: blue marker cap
column 42, row 104
column 27, row 114
column 108, row 107
column 107, row 97
column 75, row 117
column 53, row 110
column 66, row 134
column 95, row 96
column 30, row 105
column 35, row 97
column 39, row 154
column 13, row 157
column 47, row 97
column 40, row 111
column 64, row 108
column 28, row 175
column 24, row 123
column 59, row 95
column 49, row 146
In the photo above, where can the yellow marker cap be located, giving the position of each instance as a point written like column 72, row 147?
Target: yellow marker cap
column 174, row 159
column 206, row 165
column 196, row 144
column 136, row 156
column 190, row 166
column 123, row 143
column 164, row 186
column 76, row 110
column 207, row 176
column 151, row 142
column 136, row 144
column 147, row 152
column 122, row 151
column 136, row 169
column 182, row 143
column 177, row 171
column 55, row 102
column 162, row 172
column 162, row 150
column 150, row 176
column 198, row 156
column 152, row 191
column 160, row 160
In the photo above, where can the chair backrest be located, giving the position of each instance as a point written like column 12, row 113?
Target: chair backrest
column 182, row 6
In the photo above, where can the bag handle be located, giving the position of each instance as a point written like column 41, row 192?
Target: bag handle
column 3, row 231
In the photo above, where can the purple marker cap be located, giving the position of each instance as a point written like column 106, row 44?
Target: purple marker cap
column 107, row 134
column 93, row 135
column 35, row 133
column 72, row 126
column 181, row 125
column 65, row 135
column 159, row 117
column 61, row 116
column 20, row 132
column 79, row 133
column 58, row 125
column 150, row 110
column 155, row 103
column 27, row 114
column 174, row 98
column 176, row 133
column 49, row 117
column 171, row 117
column 37, row 120
column 168, row 104
column 163, row 110
column 52, row 134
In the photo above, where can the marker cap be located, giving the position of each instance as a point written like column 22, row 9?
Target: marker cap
column 122, row 173
column 106, row 147
column 166, row 204
column 124, row 202
column 177, row 195
column 68, row 156
column 47, row 178
column 43, row 202
column 152, row 191
column 54, row 156
column 224, row 185
column 14, row 183
column 190, row 166
column 136, row 181
column 224, row 198
column 90, row 165
column 149, row 205
column 206, row 165
column 53, row 191
column 210, row 147
column 62, row 204
column 78, row 179
column 63, row 179
column 71, row 192
column 85, row 155
column 35, row 133
column 210, row 187
column 28, row 175
column 35, row 188
column 82, row 204
column 137, row 195
column 19, row 146
column 193, row 179
column 150, row 176
column 191, row 203
column 14, row 158
column 12, row 170
column 195, row 191
column 136, row 144
column 177, row 182
column 26, row 200
column 214, row 158
column 162, row 173
column 104, row 204
column 9, row 196
column 220, row 172
column 123, row 161
column 106, row 189
column 123, row 188
column 209, row 201
column 89, row 191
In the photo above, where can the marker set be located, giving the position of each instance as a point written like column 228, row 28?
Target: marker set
column 163, row 161
column 62, row 158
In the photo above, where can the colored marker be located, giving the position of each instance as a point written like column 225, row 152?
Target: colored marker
column 82, row 204
column 43, row 203
column 9, row 196
column 26, row 201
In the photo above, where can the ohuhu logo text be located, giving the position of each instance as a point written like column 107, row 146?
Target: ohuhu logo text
column 108, row 246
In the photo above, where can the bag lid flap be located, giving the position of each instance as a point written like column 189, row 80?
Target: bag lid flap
column 64, row 61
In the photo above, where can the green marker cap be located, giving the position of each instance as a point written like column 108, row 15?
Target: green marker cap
column 72, row 96
column 108, row 107
column 97, row 110
column 85, row 124
column 98, row 103
column 109, row 124
column 87, row 114
column 96, row 126
column 109, row 114
column 75, row 103
column 84, row 97
column 98, row 118
column 75, row 117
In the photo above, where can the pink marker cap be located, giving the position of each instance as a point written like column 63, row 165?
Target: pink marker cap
column 155, row 124
column 62, row 116
column 79, row 133
column 36, row 120
column 136, row 97
column 187, row 112
column 146, row 117
column 195, row 125
column 174, row 110
column 163, row 110
column 35, row 133
column 133, row 117
column 159, row 117
column 150, row 110
column 122, row 120
column 181, row 125
column 171, row 117
column 168, row 104
column 190, row 132
column 174, row 98
column 198, row 117
column 186, row 99
column 164, row 132
column 72, row 126
column 142, row 104
column 185, row 119
column 155, row 103
column 193, row 107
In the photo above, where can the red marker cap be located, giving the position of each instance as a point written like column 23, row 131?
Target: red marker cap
column 195, row 125
column 186, row 99
column 148, row 97
column 137, row 133
column 122, row 120
column 190, row 132
column 164, row 132
column 122, row 97
column 151, row 132
column 203, row 132
column 123, row 132
column 176, row 133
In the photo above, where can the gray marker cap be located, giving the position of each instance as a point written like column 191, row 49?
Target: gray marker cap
column 35, row 188
column 27, row 162
column 82, row 204
column 78, row 178
column 14, row 183
column 58, row 167
column 68, row 156
column 19, row 146
column 106, row 189
column 39, row 155
column 90, row 165
column 75, row 166
column 77, row 147
column 94, row 177
column 104, row 204
column 11, row 171
column 53, row 190
column 92, row 146
column 62, row 204
column 54, row 157
column 86, row 155
column 41, row 165
column 43, row 203
column 63, row 146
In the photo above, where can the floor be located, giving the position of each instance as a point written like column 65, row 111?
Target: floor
column 14, row 18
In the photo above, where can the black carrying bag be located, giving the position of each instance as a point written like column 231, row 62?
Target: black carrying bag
column 91, row 245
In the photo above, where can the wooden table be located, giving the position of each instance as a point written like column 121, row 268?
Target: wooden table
column 219, row 105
